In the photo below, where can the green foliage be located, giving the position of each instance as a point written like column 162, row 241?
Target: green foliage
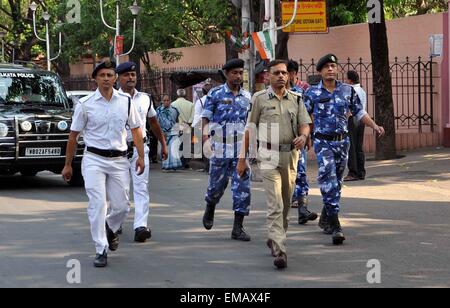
column 344, row 12
column 402, row 8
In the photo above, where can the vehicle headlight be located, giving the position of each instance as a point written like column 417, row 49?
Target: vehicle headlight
column 3, row 130
column 63, row 126
column 26, row 126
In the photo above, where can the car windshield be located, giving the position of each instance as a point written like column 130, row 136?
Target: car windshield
column 31, row 89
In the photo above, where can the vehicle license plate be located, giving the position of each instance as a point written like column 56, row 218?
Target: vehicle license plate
column 43, row 152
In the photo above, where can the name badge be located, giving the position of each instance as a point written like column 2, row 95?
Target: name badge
column 271, row 108
column 227, row 101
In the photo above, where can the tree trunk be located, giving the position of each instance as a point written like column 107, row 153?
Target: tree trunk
column 281, row 50
column 282, row 46
column 382, row 85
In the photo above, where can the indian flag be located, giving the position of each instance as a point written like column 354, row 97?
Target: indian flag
column 263, row 44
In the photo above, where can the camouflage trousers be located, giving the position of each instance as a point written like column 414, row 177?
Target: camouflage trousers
column 332, row 157
column 220, row 172
column 301, row 182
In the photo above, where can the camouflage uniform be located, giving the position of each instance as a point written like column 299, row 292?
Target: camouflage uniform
column 301, row 182
column 227, row 115
column 330, row 111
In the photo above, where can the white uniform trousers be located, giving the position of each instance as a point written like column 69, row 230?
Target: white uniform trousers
column 106, row 180
column 140, row 189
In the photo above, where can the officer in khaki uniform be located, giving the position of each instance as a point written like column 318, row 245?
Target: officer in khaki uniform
column 279, row 120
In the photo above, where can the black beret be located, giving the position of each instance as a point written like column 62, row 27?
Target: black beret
column 233, row 63
column 330, row 58
column 105, row 64
column 126, row 67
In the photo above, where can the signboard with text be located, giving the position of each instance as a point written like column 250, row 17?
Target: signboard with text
column 311, row 16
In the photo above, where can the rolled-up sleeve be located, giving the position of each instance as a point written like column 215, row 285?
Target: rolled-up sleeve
column 303, row 115
column 208, row 111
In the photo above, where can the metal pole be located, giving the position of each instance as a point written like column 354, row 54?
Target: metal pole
column 245, row 27
column 273, row 26
column 47, row 41
column 448, row 68
column 117, row 32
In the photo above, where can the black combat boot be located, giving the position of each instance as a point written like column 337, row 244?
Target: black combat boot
column 324, row 223
column 338, row 235
column 238, row 230
column 208, row 217
column 303, row 214
column 113, row 238
column 101, row 260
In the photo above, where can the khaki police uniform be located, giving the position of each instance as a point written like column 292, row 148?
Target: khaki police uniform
column 277, row 122
column 145, row 109
column 105, row 172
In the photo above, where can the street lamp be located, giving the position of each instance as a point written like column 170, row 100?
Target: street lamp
column 2, row 35
column 46, row 16
column 135, row 9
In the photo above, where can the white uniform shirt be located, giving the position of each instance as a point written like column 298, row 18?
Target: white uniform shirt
column 361, row 94
column 199, row 105
column 145, row 109
column 103, row 123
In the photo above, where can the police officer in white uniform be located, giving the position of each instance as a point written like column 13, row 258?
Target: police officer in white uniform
column 103, row 118
column 144, row 105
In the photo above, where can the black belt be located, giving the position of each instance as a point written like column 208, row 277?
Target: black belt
column 331, row 137
column 107, row 153
column 281, row 147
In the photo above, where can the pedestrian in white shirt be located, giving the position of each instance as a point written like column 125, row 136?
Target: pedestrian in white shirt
column 144, row 105
column 356, row 157
column 103, row 118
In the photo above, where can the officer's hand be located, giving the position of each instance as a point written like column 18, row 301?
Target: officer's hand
column 140, row 166
column 67, row 173
column 300, row 142
column 380, row 131
column 164, row 152
column 309, row 145
column 242, row 167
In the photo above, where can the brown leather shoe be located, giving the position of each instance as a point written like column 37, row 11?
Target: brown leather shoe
column 272, row 250
column 281, row 261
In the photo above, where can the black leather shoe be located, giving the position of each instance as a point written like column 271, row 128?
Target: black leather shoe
column 142, row 234
column 101, row 260
column 113, row 239
column 281, row 261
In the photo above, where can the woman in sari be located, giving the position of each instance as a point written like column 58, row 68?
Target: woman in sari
column 168, row 118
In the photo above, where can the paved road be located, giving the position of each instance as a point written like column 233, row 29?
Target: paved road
column 399, row 216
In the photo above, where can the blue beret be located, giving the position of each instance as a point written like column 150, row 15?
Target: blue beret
column 330, row 58
column 233, row 63
column 126, row 67
column 105, row 64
